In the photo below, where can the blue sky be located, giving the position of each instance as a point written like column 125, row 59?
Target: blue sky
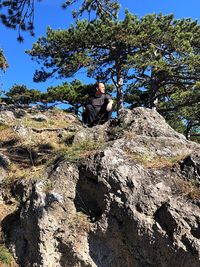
column 49, row 12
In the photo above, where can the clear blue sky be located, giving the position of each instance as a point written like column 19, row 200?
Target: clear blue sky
column 49, row 12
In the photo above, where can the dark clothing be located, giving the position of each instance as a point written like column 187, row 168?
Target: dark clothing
column 99, row 101
column 95, row 110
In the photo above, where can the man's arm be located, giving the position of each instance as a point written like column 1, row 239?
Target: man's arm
column 110, row 104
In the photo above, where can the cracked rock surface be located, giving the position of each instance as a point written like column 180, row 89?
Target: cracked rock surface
column 128, row 204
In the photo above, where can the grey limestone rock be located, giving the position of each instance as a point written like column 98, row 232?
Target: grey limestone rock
column 7, row 117
column 122, row 206
column 96, row 133
column 39, row 118
column 22, row 132
column 20, row 113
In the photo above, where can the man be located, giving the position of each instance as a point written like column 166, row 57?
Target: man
column 99, row 108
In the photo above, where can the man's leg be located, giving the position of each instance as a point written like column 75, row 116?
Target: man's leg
column 84, row 117
column 104, row 115
column 90, row 114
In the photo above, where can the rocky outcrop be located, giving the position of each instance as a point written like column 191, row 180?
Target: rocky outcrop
column 128, row 204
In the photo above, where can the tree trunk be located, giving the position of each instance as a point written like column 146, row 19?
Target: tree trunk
column 119, row 86
column 153, row 88
column 119, row 98
column 76, row 108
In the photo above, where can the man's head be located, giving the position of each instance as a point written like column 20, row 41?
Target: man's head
column 100, row 89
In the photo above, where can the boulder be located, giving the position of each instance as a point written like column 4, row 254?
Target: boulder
column 126, row 204
column 23, row 132
column 7, row 117
column 71, row 117
column 96, row 133
column 39, row 118
column 20, row 113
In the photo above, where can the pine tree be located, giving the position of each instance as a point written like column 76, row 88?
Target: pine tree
column 167, row 63
column 20, row 94
column 20, row 14
column 102, row 47
column 157, row 56
column 3, row 62
column 73, row 94
column 76, row 94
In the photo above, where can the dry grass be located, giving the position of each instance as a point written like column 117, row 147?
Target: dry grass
column 31, row 123
column 48, row 186
column 5, row 210
column 163, row 162
column 17, row 172
column 82, row 149
column 79, row 224
column 6, row 258
column 154, row 161
column 7, row 135
column 27, row 167
column 129, row 135
column 55, row 119
column 29, row 156
column 188, row 189
column 67, row 139
column 3, row 127
column 82, row 222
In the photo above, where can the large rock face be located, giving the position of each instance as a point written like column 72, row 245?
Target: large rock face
column 131, row 204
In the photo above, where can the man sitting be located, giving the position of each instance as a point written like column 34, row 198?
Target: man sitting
column 99, row 108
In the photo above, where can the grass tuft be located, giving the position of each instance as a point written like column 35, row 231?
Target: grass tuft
column 81, row 150
column 7, row 136
column 189, row 189
column 6, row 257
column 154, row 161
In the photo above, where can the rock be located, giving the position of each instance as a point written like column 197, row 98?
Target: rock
column 7, row 117
column 20, row 113
column 22, row 131
column 96, row 133
column 4, row 161
column 124, row 205
column 147, row 122
column 44, row 222
column 39, row 118
column 2, row 106
column 190, row 166
column 3, row 174
column 71, row 117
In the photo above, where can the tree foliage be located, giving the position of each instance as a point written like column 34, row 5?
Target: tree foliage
column 102, row 46
column 19, row 14
column 186, row 121
column 20, row 94
column 3, row 61
column 167, row 63
column 100, row 7
column 157, row 55
column 73, row 94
